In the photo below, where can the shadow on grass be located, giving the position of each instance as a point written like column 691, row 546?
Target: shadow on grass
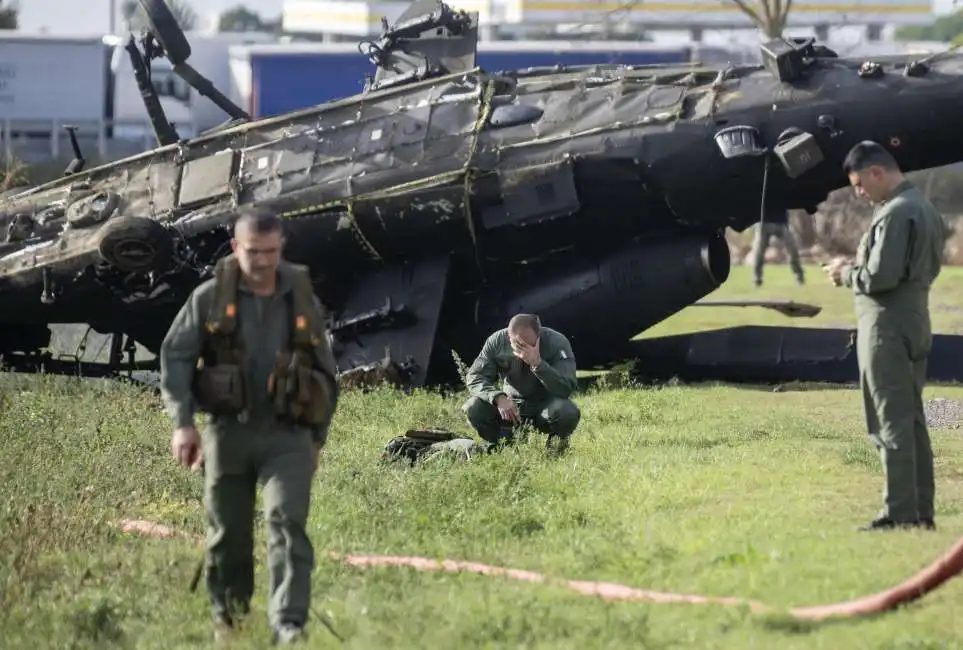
column 786, row 623
column 795, row 387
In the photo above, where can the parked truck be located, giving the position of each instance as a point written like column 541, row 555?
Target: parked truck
column 46, row 81
column 268, row 79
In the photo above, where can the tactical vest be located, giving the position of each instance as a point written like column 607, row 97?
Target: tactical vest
column 300, row 389
column 419, row 444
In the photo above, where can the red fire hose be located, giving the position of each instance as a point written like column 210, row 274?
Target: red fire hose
column 944, row 568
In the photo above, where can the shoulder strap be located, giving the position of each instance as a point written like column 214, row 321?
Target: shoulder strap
column 222, row 318
column 307, row 318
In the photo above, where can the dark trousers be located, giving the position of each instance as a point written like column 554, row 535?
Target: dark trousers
column 555, row 416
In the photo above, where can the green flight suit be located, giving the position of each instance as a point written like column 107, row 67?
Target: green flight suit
column 898, row 259
column 542, row 395
column 241, row 451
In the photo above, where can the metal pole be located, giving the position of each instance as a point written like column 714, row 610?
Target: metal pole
column 113, row 17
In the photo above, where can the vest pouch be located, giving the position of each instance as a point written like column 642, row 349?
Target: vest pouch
column 220, row 389
column 301, row 394
column 315, row 388
column 281, row 384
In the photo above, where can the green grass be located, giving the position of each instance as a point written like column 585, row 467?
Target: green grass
column 711, row 490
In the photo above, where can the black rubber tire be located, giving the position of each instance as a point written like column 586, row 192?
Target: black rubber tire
column 167, row 31
column 135, row 244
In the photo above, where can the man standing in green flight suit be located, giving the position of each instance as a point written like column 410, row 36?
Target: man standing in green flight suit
column 267, row 377
column 898, row 259
column 775, row 223
column 537, row 367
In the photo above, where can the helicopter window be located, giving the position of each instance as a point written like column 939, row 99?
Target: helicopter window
column 513, row 115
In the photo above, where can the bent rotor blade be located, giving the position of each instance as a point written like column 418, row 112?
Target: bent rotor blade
column 787, row 308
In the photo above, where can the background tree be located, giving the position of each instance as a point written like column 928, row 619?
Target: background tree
column 945, row 28
column 769, row 15
column 136, row 19
column 242, row 19
column 9, row 14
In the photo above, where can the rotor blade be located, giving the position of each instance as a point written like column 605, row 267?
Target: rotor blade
column 787, row 308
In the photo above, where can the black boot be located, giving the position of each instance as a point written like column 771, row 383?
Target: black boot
column 885, row 523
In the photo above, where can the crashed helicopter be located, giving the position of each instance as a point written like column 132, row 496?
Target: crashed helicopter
column 444, row 198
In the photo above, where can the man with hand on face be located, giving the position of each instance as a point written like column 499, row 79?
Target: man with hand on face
column 898, row 259
column 267, row 378
column 538, row 368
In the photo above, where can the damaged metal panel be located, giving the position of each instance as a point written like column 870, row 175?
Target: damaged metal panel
column 395, row 227
column 386, row 228
column 403, row 180
column 444, row 152
column 392, row 312
column 533, row 194
column 577, row 111
column 277, row 168
column 551, row 151
column 400, row 136
column 356, row 149
column 150, row 189
column 451, row 127
column 337, row 229
column 589, row 121
column 207, row 179
column 645, row 106
column 354, row 141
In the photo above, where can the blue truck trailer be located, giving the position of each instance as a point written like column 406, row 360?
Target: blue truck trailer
column 269, row 79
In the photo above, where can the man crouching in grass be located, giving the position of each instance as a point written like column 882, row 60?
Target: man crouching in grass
column 537, row 367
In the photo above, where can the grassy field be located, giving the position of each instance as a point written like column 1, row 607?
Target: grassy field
column 711, row 490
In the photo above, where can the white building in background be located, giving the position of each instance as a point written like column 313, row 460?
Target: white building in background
column 359, row 18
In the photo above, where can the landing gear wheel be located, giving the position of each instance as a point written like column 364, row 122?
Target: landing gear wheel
column 135, row 244
column 167, row 31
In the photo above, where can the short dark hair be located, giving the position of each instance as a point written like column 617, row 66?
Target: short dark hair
column 530, row 321
column 867, row 154
column 259, row 220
